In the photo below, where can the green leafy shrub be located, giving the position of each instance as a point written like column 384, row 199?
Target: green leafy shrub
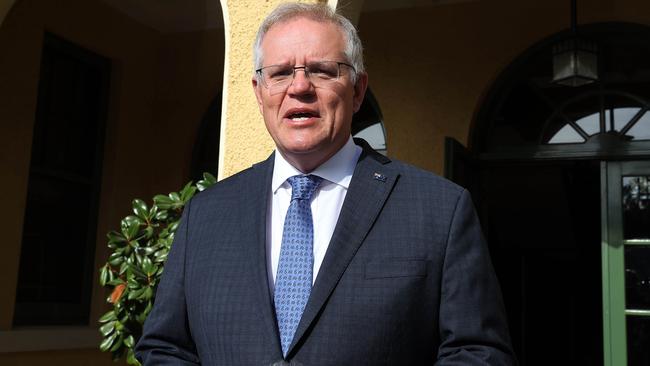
column 133, row 270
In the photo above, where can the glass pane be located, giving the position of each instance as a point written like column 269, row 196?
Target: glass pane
column 622, row 116
column 638, row 339
column 566, row 135
column 636, row 207
column 590, row 123
column 584, row 111
column 641, row 129
column 374, row 135
column 619, row 109
column 637, row 277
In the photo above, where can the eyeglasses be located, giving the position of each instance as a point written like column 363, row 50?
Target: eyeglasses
column 277, row 78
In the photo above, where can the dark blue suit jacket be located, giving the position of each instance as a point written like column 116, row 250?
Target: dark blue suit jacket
column 406, row 279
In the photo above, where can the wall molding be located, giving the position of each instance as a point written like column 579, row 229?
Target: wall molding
column 49, row 339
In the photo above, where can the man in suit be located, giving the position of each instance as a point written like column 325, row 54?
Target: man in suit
column 327, row 253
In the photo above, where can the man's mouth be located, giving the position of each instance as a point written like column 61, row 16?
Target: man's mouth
column 301, row 115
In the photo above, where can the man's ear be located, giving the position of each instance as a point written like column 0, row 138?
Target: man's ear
column 360, row 90
column 257, row 88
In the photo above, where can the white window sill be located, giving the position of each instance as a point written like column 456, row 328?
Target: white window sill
column 48, row 339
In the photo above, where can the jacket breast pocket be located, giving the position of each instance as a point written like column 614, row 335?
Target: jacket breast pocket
column 396, row 267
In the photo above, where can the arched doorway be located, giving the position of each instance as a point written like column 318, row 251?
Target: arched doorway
column 368, row 123
column 560, row 177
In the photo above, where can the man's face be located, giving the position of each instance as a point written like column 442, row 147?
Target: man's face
column 308, row 124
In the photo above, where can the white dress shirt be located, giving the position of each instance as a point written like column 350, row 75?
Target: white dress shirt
column 325, row 205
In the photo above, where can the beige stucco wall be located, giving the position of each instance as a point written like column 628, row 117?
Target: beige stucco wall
column 431, row 67
column 244, row 139
column 132, row 49
column 161, row 85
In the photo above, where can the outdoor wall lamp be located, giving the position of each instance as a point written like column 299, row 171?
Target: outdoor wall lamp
column 575, row 60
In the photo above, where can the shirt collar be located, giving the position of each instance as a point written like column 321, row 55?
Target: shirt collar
column 338, row 169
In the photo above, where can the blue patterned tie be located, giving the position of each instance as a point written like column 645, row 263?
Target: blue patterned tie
column 294, row 276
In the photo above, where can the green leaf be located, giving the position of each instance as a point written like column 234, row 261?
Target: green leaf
column 136, row 293
column 207, row 181
column 115, row 237
column 143, row 251
column 147, row 265
column 107, row 328
column 162, row 215
column 118, row 343
column 175, row 197
column 160, row 256
column 110, row 274
column 131, row 226
column 147, row 310
column 187, row 192
column 173, row 226
column 104, row 275
column 115, row 282
column 161, row 198
column 208, row 177
column 131, row 231
column 129, row 342
column 107, row 342
column 153, row 210
column 115, row 259
column 148, row 232
column 130, row 358
column 163, row 202
column 140, row 209
column 123, row 267
column 146, row 294
column 109, row 316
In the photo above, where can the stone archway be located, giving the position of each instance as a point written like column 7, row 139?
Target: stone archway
column 244, row 140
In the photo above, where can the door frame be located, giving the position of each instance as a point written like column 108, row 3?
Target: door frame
column 615, row 311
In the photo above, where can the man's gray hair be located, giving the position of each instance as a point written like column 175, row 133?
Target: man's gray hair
column 317, row 12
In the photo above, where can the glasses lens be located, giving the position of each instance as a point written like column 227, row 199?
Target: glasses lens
column 323, row 71
column 277, row 78
column 277, row 74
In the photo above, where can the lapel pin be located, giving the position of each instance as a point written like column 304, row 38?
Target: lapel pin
column 379, row 177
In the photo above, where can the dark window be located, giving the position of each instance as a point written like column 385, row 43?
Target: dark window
column 56, row 260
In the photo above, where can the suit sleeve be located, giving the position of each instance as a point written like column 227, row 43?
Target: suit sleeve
column 166, row 337
column 472, row 326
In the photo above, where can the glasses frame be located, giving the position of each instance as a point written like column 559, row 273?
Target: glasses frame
column 304, row 68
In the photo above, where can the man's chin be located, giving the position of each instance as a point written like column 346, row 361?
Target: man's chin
column 306, row 159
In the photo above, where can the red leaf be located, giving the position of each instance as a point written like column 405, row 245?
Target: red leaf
column 117, row 293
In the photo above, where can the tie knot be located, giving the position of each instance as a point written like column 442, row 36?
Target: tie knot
column 303, row 186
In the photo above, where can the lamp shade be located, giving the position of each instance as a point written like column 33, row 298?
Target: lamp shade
column 575, row 62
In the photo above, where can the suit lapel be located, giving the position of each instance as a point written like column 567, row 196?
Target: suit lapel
column 369, row 188
column 256, row 203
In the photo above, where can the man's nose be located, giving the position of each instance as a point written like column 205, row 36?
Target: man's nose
column 301, row 82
